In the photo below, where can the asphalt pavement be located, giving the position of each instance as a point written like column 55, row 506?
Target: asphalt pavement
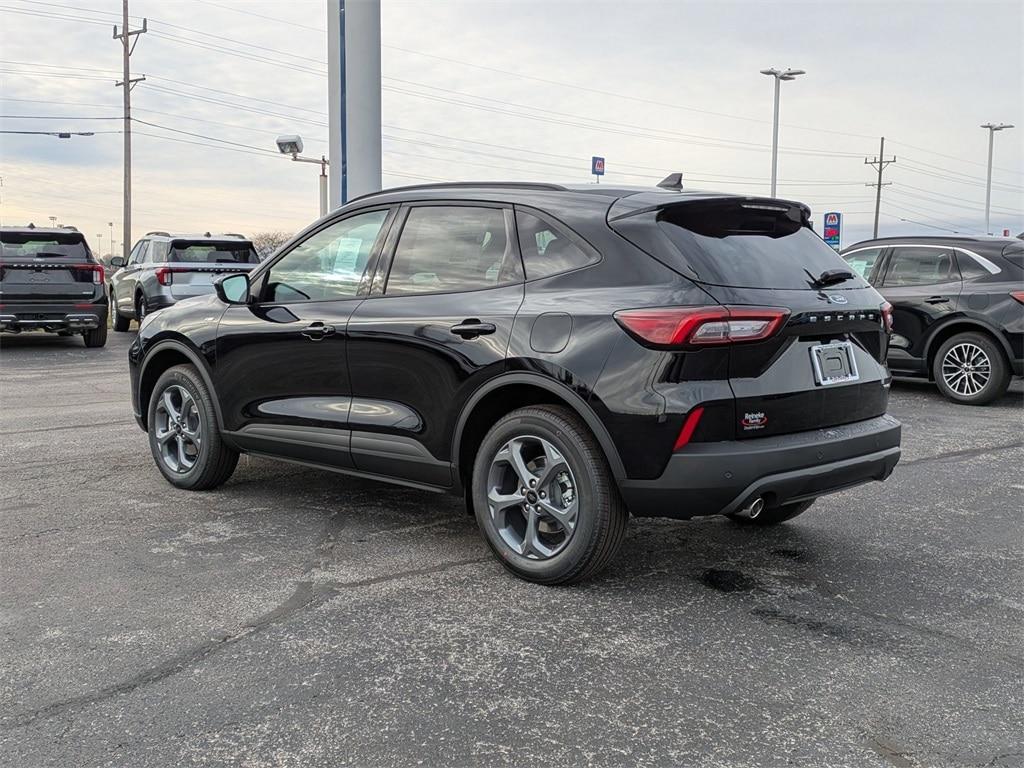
column 301, row 618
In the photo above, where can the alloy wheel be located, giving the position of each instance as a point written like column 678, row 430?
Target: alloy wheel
column 532, row 497
column 178, row 429
column 966, row 369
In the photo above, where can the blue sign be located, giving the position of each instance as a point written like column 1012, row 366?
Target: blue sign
column 597, row 166
column 833, row 229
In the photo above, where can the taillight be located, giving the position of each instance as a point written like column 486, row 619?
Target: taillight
column 886, row 309
column 96, row 270
column 678, row 326
column 165, row 276
column 689, row 426
column 1018, row 295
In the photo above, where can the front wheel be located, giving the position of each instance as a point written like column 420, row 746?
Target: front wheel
column 969, row 368
column 183, row 433
column 544, row 497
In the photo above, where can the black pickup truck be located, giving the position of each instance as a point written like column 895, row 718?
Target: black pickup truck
column 50, row 281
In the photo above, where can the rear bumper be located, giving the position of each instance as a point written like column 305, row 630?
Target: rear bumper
column 721, row 478
column 15, row 318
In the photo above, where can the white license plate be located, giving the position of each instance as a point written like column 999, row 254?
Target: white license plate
column 834, row 363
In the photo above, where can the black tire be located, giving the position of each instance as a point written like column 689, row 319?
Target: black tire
column 998, row 371
column 601, row 515
column 775, row 515
column 215, row 461
column 97, row 337
column 117, row 320
column 141, row 307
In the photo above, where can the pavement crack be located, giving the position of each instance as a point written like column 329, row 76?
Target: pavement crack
column 965, row 453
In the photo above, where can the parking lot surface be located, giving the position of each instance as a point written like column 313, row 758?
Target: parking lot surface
column 302, row 618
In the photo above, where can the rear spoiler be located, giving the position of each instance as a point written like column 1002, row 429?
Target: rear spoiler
column 645, row 202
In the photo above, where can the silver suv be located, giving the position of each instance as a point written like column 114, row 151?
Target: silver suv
column 163, row 269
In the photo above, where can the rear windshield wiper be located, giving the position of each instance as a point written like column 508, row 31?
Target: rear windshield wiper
column 830, row 277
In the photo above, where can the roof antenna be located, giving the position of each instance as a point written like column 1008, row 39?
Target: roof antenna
column 672, row 181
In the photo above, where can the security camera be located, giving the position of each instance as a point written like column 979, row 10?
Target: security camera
column 289, row 145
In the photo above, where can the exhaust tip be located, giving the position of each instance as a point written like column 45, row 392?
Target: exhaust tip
column 756, row 507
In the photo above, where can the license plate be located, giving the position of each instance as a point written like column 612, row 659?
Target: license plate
column 834, row 363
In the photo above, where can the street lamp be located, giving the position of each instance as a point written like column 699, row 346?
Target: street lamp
column 992, row 128
column 99, row 239
column 111, row 225
column 292, row 145
column 53, row 220
column 779, row 75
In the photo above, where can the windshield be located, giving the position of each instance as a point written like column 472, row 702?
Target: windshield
column 48, row 245
column 206, row 252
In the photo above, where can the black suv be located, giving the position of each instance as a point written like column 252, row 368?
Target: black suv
column 958, row 309
column 563, row 356
column 50, row 281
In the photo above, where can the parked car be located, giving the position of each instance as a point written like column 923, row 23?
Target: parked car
column 561, row 356
column 163, row 268
column 958, row 309
column 51, row 281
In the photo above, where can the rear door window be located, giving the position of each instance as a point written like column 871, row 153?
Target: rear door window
column 547, row 248
column 207, row 252
column 917, row 265
column 446, row 248
column 863, row 261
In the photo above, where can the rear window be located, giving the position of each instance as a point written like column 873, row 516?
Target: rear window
column 742, row 244
column 206, row 252
column 30, row 245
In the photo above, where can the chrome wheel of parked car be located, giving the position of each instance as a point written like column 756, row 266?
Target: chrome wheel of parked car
column 531, row 496
column 966, row 369
column 178, row 429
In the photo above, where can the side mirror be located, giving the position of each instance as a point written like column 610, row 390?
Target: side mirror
column 232, row 289
column 117, row 262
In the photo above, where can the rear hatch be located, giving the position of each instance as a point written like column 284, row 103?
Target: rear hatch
column 825, row 365
column 47, row 268
column 192, row 265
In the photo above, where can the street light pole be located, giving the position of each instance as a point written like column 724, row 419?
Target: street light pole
column 99, row 239
column 779, row 75
column 992, row 128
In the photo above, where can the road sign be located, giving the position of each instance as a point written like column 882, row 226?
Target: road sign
column 597, row 166
column 833, row 229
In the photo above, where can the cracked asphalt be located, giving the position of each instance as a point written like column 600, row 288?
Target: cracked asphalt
column 301, row 618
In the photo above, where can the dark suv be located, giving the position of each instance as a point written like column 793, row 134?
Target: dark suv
column 958, row 309
column 563, row 356
column 50, row 281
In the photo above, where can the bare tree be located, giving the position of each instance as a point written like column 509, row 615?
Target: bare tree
column 267, row 243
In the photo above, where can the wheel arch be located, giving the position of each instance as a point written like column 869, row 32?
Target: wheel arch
column 507, row 393
column 957, row 325
column 166, row 354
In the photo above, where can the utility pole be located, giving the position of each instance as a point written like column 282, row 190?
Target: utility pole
column 879, row 162
column 127, row 47
column 992, row 128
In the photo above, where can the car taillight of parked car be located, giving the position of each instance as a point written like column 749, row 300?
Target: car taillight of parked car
column 95, row 269
column 886, row 309
column 1018, row 295
column 165, row 276
column 682, row 326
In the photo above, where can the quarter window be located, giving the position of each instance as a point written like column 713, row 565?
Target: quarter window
column 969, row 268
column 863, row 261
column 329, row 264
column 453, row 248
column 547, row 250
column 921, row 266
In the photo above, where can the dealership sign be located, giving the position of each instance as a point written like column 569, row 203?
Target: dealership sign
column 833, row 229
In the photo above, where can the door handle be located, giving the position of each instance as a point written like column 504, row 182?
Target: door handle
column 317, row 331
column 936, row 300
column 470, row 329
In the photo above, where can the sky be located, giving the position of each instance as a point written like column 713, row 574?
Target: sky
column 517, row 90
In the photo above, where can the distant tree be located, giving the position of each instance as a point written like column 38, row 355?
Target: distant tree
column 268, row 242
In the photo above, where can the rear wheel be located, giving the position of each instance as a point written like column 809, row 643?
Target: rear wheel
column 544, row 497
column 97, row 337
column 118, row 321
column 969, row 368
column 183, row 433
column 775, row 515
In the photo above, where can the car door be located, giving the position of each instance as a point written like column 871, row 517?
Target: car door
column 280, row 373
column 125, row 280
column 437, row 325
column 923, row 285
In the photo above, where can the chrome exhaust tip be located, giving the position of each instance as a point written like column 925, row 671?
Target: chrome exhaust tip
column 752, row 510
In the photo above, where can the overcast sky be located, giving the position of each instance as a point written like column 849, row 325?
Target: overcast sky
column 522, row 90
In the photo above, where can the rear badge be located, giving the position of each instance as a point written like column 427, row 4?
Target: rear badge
column 752, row 421
column 837, row 298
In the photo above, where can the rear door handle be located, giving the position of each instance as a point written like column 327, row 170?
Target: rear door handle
column 317, row 331
column 936, row 300
column 470, row 329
